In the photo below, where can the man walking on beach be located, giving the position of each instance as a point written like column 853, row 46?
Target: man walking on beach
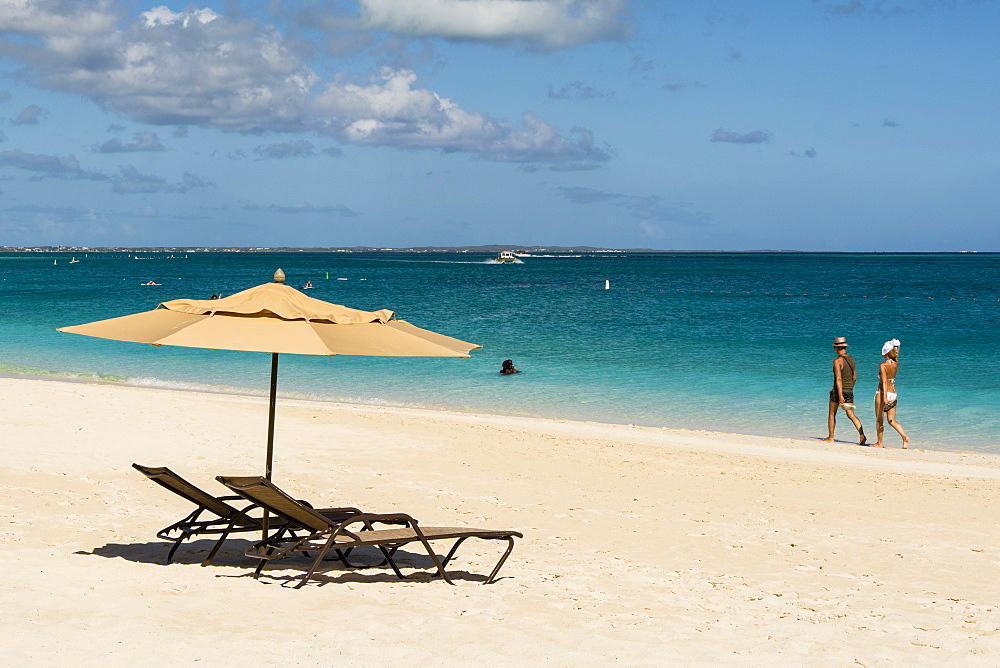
column 845, row 374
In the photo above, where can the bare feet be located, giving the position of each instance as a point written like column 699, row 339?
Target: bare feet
column 864, row 439
column 876, row 445
column 906, row 444
column 828, row 440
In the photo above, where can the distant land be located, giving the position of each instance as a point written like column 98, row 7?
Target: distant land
column 487, row 248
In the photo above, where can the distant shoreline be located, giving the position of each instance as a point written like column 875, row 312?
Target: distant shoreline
column 487, row 249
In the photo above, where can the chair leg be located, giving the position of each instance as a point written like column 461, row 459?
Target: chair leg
column 215, row 549
column 388, row 554
column 260, row 566
column 341, row 556
column 177, row 544
column 270, row 550
column 454, row 548
column 317, row 560
column 384, row 562
column 176, row 526
column 435, row 559
column 218, row 544
column 496, row 569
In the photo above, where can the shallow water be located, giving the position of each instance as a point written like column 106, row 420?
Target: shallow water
column 729, row 342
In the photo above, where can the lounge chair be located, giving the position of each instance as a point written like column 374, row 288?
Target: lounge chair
column 227, row 519
column 325, row 533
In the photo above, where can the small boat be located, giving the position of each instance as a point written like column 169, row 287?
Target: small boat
column 308, row 285
column 73, row 260
column 506, row 257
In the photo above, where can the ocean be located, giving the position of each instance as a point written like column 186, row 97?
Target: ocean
column 734, row 342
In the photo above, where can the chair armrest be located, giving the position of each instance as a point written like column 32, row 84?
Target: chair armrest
column 390, row 518
column 244, row 513
column 345, row 511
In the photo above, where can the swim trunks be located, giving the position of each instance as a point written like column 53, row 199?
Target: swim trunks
column 848, row 396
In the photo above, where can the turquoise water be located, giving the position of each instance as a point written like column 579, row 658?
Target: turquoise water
column 727, row 342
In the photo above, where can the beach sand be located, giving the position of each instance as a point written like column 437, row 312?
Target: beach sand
column 641, row 545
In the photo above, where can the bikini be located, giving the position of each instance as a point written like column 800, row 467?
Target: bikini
column 890, row 396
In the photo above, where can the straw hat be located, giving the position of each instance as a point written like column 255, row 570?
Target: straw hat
column 840, row 342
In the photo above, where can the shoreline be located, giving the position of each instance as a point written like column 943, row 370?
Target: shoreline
column 641, row 545
column 290, row 397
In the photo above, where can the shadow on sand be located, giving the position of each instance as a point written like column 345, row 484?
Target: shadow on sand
column 231, row 557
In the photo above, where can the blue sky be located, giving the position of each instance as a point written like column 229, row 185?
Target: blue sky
column 816, row 125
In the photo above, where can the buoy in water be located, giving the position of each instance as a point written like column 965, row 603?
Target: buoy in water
column 607, row 285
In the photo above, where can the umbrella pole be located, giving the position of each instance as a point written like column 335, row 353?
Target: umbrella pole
column 265, row 521
column 270, row 414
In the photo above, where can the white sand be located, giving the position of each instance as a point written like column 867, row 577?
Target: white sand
column 642, row 546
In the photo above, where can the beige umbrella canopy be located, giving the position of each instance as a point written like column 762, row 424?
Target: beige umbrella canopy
column 275, row 318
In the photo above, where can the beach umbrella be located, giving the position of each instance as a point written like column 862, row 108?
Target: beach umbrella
column 275, row 318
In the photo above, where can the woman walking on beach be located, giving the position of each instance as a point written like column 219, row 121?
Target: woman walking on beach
column 885, row 396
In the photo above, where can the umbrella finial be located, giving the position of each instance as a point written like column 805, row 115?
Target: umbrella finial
column 279, row 276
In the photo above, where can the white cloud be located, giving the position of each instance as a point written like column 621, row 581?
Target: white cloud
column 389, row 111
column 30, row 115
column 547, row 25
column 754, row 137
column 577, row 90
column 55, row 17
column 162, row 16
column 133, row 182
column 144, row 141
column 55, row 166
column 294, row 149
column 200, row 68
column 193, row 67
